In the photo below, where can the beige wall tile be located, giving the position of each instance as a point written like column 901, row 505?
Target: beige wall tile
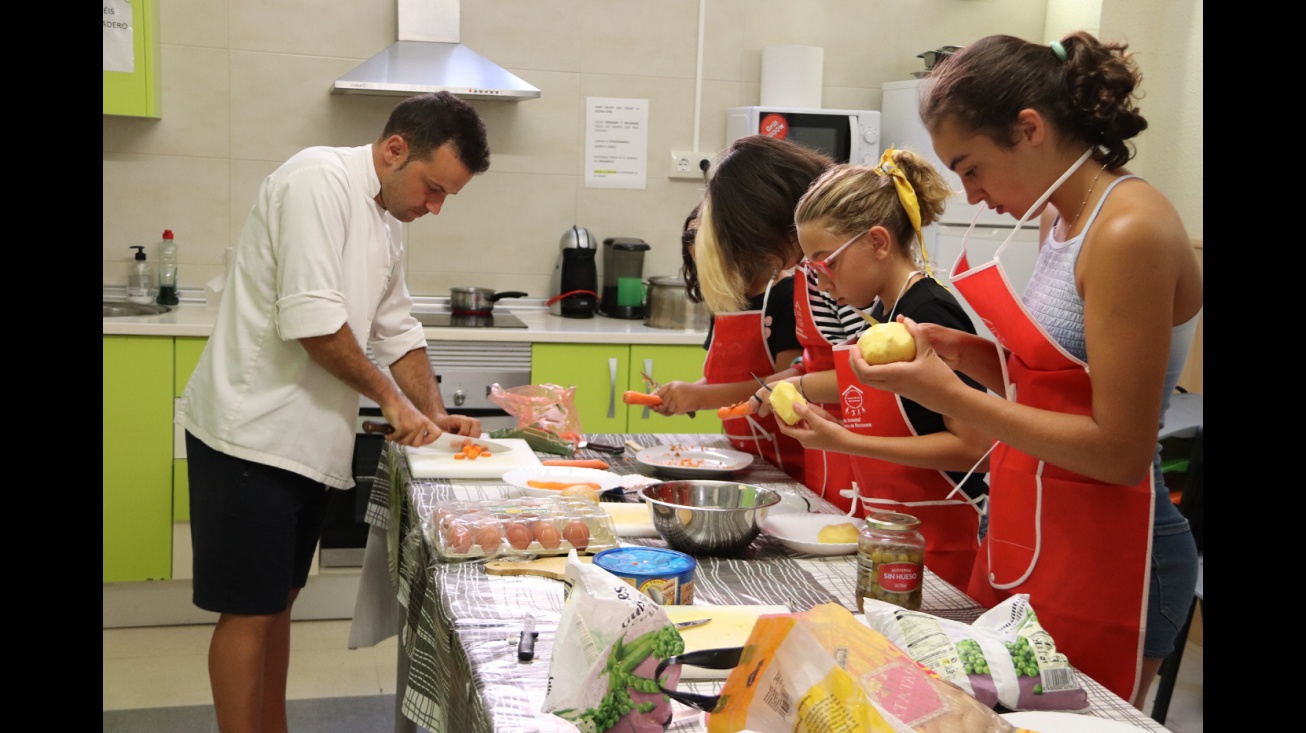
column 195, row 23
column 549, row 41
column 356, row 30
column 196, row 122
column 542, row 135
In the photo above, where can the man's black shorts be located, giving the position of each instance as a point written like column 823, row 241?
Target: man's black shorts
column 254, row 529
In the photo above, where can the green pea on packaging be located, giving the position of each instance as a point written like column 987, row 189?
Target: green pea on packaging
column 1006, row 657
column 609, row 642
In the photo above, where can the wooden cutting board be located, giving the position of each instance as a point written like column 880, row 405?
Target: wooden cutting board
column 729, row 627
column 429, row 462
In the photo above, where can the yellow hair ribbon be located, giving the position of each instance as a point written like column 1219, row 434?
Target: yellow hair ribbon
column 907, row 196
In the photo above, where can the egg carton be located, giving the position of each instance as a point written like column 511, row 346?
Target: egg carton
column 494, row 528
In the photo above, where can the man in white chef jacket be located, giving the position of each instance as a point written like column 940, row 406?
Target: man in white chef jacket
column 270, row 412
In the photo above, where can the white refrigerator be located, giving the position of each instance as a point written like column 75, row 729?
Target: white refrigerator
column 900, row 127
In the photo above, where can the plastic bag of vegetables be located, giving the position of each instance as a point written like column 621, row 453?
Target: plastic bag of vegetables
column 610, row 640
column 1005, row 657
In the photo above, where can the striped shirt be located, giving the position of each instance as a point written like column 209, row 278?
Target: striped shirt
column 837, row 323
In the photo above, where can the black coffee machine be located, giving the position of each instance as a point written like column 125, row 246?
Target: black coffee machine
column 575, row 277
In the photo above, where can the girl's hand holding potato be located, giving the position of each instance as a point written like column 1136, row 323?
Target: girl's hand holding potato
column 817, row 429
column 926, row 379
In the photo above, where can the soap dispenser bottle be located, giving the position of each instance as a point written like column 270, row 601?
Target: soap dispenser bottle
column 168, row 270
column 141, row 284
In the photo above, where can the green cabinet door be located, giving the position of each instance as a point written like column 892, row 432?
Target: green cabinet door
column 600, row 373
column 667, row 364
column 188, row 350
column 137, row 398
column 132, row 79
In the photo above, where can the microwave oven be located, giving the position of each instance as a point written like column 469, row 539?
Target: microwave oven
column 847, row 135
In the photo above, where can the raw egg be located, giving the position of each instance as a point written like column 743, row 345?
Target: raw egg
column 548, row 535
column 459, row 537
column 577, row 533
column 518, row 536
column 488, row 538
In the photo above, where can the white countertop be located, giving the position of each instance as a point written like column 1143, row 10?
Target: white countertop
column 196, row 319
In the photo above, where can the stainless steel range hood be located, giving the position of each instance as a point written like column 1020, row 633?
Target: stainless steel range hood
column 428, row 57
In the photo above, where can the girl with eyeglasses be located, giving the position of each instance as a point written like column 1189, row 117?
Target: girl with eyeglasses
column 1085, row 359
column 859, row 227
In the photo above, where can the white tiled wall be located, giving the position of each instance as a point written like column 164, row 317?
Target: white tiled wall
column 245, row 85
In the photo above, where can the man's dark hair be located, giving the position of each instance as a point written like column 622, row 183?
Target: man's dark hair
column 428, row 121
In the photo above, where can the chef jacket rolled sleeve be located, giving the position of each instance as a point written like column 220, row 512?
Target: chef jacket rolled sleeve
column 304, row 315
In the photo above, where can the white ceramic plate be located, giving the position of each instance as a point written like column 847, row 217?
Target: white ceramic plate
column 520, row 476
column 688, row 461
column 1058, row 722
column 799, row 532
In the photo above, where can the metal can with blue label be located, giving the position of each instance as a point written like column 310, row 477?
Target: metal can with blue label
column 666, row 576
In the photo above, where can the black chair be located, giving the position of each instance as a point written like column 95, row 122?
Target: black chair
column 1190, row 505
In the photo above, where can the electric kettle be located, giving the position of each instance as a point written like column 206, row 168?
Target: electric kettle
column 575, row 277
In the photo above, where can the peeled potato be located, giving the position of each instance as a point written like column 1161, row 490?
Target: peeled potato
column 583, row 491
column 783, row 397
column 885, row 343
column 838, row 534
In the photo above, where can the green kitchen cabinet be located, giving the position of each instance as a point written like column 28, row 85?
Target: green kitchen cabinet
column 132, row 79
column 602, row 372
column 137, row 513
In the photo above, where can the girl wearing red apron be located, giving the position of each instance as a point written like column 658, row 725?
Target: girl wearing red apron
column 1084, row 357
column 740, row 344
column 898, row 451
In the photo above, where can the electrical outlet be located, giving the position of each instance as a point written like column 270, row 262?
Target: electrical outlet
column 686, row 164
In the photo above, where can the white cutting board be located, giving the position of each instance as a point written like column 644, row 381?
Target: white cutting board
column 729, row 627
column 427, row 462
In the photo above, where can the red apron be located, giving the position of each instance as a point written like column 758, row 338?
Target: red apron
column 949, row 522
column 1079, row 547
column 827, row 473
column 737, row 352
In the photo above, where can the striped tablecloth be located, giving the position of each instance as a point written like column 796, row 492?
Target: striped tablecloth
column 461, row 626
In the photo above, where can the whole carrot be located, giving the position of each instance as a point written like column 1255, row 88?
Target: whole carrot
column 577, row 463
column 739, row 410
column 639, row 398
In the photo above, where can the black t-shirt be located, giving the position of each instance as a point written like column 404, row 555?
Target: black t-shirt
column 780, row 309
column 926, row 301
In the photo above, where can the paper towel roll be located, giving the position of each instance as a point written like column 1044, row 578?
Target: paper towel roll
column 792, row 76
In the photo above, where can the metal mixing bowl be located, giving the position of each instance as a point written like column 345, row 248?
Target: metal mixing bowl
column 708, row 517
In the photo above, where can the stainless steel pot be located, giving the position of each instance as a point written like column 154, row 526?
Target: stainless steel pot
column 669, row 306
column 477, row 301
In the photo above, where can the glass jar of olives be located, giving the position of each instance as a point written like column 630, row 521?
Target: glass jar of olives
column 891, row 560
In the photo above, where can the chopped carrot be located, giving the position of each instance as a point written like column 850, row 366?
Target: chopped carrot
column 639, row 398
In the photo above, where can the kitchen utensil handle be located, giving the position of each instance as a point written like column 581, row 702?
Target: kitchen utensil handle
column 509, row 294
column 612, row 386
column 648, row 369
column 381, row 428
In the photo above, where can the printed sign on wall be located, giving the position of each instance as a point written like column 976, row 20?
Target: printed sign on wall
column 118, row 36
column 616, row 143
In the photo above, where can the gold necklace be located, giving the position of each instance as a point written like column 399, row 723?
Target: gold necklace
column 1071, row 225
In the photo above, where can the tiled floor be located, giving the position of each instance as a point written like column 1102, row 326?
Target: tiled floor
column 156, row 681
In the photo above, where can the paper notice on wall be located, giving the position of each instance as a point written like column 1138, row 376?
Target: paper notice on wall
column 616, row 143
column 118, row 36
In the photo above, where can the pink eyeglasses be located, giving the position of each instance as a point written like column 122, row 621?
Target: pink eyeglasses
column 822, row 267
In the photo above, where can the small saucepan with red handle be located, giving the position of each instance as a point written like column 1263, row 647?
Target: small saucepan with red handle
column 477, row 301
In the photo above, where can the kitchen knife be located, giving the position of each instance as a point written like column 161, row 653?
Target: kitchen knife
column 765, row 386
column 526, row 645
column 691, row 624
column 445, row 441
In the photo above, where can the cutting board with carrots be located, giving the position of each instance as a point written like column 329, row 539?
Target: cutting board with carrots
column 428, row 462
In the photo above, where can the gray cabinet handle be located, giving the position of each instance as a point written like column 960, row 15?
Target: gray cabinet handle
column 648, row 369
column 612, row 388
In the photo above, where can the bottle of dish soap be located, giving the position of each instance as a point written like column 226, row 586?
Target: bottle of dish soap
column 168, row 270
column 142, row 287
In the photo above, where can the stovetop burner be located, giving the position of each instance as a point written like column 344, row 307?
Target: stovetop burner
column 456, row 320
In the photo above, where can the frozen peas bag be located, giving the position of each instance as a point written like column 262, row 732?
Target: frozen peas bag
column 1005, row 657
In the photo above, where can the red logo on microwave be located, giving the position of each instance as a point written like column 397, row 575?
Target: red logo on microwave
column 899, row 577
column 774, row 125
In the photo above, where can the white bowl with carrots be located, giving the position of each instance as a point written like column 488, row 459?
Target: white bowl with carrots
column 552, row 480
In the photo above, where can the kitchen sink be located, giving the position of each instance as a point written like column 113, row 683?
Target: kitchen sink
column 115, row 308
